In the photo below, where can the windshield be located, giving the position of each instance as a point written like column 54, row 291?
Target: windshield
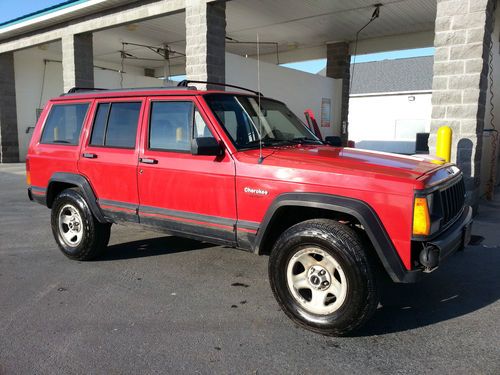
column 243, row 121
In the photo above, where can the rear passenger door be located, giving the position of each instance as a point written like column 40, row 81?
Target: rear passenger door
column 109, row 156
column 189, row 194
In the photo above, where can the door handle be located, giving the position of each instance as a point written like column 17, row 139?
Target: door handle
column 148, row 161
column 89, row 155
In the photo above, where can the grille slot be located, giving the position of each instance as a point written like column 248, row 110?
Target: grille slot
column 452, row 200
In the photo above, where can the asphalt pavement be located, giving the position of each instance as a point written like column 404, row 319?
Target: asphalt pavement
column 157, row 304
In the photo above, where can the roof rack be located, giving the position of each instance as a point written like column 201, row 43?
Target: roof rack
column 77, row 90
column 186, row 82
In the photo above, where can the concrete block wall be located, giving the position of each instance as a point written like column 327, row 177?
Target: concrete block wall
column 9, row 143
column 462, row 38
column 205, row 42
column 78, row 60
column 338, row 66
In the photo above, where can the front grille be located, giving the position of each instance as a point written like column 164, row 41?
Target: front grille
column 452, row 200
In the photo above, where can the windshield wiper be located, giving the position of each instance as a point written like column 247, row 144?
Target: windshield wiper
column 265, row 142
column 308, row 140
column 302, row 140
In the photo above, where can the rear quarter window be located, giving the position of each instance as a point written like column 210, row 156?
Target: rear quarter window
column 64, row 124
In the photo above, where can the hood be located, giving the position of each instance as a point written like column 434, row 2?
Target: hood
column 327, row 158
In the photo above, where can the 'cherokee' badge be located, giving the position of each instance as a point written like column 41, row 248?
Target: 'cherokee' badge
column 253, row 191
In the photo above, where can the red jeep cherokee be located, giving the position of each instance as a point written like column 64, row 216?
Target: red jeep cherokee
column 242, row 170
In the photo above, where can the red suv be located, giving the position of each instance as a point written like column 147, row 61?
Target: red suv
column 242, row 170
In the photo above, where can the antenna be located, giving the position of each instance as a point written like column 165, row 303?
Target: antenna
column 261, row 159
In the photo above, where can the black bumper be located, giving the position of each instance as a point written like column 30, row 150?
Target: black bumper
column 36, row 194
column 455, row 237
column 435, row 250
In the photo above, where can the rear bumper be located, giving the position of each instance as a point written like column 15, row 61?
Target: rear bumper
column 36, row 194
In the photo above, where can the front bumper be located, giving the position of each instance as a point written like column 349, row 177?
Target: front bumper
column 456, row 237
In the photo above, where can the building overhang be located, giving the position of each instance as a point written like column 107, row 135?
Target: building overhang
column 63, row 12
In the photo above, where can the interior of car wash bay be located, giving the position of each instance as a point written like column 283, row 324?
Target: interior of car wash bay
column 388, row 105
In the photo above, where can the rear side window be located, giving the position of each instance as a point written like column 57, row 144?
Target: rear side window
column 64, row 124
column 115, row 125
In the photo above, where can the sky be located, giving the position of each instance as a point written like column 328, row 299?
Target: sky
column 314, row 66
column 14, row 9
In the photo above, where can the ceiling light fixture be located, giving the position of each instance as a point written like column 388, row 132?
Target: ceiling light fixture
column 132, row 27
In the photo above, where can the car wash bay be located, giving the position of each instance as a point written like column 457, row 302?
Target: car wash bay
column 120, row 44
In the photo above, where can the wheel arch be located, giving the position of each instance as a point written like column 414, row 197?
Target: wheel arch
column 62, row 180
column 342, row 207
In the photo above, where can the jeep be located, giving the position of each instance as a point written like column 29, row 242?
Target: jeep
column 241, row 170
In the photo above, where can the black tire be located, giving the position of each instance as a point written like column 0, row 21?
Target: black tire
column 360, row 296
column 94, row 235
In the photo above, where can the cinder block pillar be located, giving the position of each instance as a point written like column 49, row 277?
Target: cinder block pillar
column 338, row 66
column 9, row 142
column 77, row 61
column 205, row 42
column 463, row 34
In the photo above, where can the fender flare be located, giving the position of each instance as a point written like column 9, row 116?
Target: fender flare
column 363, row 212
column 84, row 185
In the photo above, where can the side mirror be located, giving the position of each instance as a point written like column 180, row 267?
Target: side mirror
column 334, row 141
column 206, row 146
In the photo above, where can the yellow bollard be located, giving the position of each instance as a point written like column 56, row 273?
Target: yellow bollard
column 443, row 143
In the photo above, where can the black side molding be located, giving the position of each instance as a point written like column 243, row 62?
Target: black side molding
column 83, row 184
column 362, row 212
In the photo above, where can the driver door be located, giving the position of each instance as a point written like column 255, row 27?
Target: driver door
column 192, row 195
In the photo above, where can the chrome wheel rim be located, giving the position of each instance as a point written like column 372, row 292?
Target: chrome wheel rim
column 316, row 281
column 70, row 225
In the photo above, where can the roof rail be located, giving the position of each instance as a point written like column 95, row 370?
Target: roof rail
column 78, row 89
column 185, row 83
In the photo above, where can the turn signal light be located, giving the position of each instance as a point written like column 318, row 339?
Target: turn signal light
column 421, row 217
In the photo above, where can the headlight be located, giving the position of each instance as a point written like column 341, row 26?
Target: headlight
column 421, row 216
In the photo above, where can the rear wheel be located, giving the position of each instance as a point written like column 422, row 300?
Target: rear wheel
column 79, row 235
column 322, row 277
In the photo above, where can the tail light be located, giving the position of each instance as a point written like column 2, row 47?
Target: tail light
column 28, row 174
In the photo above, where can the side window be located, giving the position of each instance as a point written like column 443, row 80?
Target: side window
column 100, row 121
column 115, row 125
column 200, row 128
column 64, row 124
column 169, row 127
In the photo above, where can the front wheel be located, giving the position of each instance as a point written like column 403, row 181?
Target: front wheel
column 322, row 278
column 79, row 235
